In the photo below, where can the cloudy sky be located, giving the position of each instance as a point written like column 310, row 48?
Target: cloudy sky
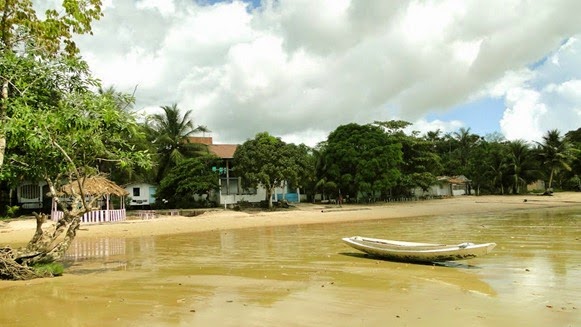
column 300, row 68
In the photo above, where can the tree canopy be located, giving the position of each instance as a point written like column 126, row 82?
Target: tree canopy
column 61, row 131
column 25, row 37
column 188, row 183
column 361, row 160
column 169, row 131
column 268, row 161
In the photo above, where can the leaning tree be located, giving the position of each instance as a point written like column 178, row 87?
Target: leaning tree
column 60, row 136
column 25, row 34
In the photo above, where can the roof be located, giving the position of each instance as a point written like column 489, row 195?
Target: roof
column 461, row 179
column 224, row 151
column 207, row 140
column 94, row 185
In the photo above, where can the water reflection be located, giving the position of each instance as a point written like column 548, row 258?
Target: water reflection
column 305, row 275
column 95, row 248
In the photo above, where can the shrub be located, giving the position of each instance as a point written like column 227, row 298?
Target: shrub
column 49, row 269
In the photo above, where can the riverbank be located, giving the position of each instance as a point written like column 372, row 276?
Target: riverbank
column 19, row 231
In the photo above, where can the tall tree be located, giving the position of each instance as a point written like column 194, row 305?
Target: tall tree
column 304, row 176
column 466, row 141
column 575, row 174
column 522, row 164
column 496, row 165
column 122, row 175
column 189, row 180
column 420, row 165
column 170, row 131
column 63, row 141
column 267, row 161
column 361, row 160
column 24, row 34
column 556, row 154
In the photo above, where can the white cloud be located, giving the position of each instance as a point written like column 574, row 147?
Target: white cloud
column 548, row 99
column 522, row 117
column 423, row 126
column 165, row 7
column 299, row 69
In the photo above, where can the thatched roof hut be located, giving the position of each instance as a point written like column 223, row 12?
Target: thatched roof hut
column 94, row 186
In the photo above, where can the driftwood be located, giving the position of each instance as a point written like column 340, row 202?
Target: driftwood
column 50, row 244
column 46, row 245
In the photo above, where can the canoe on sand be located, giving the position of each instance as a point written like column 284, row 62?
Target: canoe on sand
column 417, row 252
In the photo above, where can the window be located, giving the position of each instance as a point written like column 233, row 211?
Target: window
column 136, row 191
column 30, row 191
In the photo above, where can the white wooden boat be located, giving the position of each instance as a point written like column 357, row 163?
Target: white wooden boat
column 417, row 252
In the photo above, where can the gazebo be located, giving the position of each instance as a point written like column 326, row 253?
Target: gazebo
column 95, row 186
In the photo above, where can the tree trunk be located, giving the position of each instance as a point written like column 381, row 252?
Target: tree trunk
column 3, row 121
column 46, row 246
column 551, row 179
column 269, row 193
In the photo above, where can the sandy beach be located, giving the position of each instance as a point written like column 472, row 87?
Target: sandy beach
column 294, row 271
column 20, row 231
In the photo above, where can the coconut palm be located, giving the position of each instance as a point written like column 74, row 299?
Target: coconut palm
column 556, row 153
column 522, row 164
column 203, row 129
column 465, row 142
column 169, row 131
column 497, row 166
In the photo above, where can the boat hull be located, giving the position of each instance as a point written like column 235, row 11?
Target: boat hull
column 417, row 252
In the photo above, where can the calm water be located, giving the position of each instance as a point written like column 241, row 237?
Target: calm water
column 305, row 276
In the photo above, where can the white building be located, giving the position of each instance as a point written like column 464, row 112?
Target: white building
column 141, row 195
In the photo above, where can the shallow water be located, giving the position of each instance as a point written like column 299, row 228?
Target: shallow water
column 305, row 276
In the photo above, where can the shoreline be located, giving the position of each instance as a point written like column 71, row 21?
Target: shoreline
column 18, row 232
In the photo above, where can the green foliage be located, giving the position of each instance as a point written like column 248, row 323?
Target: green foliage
column 12, row 211
column 60, row 128
column 23, row 30
column 270, row 162
column 188, row 179
column 170, row 132
column 420, row 165
column 556, row 153
column 361, row 160
column 49, row 269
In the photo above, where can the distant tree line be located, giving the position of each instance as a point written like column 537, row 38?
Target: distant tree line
column 379, row 160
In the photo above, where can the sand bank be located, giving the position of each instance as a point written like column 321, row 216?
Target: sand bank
column 21, row 230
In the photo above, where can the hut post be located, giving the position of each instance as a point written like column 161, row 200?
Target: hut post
column 107, row 212
column 53, row 209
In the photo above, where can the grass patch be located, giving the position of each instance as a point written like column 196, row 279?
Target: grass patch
column 49, row 269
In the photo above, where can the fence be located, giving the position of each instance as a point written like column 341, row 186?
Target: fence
column 95, row 216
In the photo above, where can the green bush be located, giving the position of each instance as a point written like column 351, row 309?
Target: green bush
column 49, row 269
column 12, row 211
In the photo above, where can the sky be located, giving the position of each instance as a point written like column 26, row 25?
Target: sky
column 298, row 69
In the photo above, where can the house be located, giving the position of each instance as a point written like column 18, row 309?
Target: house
column 33, row 195
column 231, row 190
column 141, row 195
column 446, row 186
column 537, row 186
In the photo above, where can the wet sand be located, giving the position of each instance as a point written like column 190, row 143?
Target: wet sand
column 20, row 231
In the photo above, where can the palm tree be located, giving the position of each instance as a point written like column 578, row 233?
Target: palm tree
column 123, row 101
column 203, row 129
column 466, row 141
column 169, row 132
column 497, row 165
column 520, row 160
column 556, row 153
